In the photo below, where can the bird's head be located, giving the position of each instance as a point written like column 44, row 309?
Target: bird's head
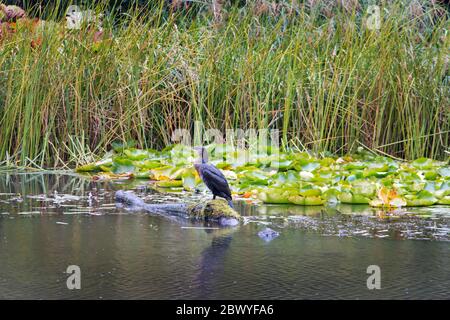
column 202, row 154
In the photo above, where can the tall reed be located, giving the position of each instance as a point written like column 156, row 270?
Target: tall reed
column 324, row 79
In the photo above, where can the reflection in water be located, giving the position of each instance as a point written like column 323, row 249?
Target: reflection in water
column 320, row 253
column 212, row 261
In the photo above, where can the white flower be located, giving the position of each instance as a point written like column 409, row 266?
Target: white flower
column 75, row 17
column 306, row 175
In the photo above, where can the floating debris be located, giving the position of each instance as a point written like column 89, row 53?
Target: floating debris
column 95, row 213
column 268, row 234
column 71, row 213
column 40, row 197
column 29, row 212
column 65, row 197
column 201, row 228
column 16, row 199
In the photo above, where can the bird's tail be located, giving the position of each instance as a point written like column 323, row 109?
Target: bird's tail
column 230, row 203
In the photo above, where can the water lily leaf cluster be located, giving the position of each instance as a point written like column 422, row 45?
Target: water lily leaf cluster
column 279, row 177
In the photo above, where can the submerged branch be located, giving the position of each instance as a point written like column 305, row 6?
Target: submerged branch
column 216, row 211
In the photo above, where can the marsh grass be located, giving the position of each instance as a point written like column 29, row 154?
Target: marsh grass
column 326, row 80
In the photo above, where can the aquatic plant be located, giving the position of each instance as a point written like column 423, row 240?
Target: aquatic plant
column 302, row 179
column 314, row 71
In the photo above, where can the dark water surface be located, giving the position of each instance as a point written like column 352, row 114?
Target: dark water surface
column 51, row 221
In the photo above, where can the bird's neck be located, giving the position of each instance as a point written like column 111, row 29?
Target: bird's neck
column 201, row 161
column 203, row 158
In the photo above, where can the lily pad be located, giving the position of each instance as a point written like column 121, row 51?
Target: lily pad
column 306, row 201
column 273, row 195
column 169, row 183
column 423, row 198
column 136, row 154
column 423, row 163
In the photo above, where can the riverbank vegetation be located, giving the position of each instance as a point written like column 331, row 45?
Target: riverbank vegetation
column 313, row 69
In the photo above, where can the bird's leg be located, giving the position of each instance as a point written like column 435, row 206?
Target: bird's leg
column 214, row 197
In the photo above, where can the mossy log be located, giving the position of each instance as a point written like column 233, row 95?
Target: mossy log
column 217, row 211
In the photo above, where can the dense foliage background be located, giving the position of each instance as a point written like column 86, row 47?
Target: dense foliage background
column 312, row 69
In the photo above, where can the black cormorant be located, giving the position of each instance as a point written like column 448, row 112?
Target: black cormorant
column 212, row 177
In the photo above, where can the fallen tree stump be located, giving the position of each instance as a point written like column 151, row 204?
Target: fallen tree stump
column 216, row 211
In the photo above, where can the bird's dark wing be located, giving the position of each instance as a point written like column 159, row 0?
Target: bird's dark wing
column 216, row 181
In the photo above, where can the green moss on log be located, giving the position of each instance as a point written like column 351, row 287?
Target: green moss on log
column 213, row 209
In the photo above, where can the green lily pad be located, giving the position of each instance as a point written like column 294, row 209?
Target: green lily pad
column 310, row 191
column 273, row 195
column 94, row 166
column 357, row 165
column 188, row 178
column 423, row 163
column 378, row 170
column 167, row 173
column 120, row 146
column 350, row 198
column 444, row 200
column 151, row 164
column 444, row 172
column 143, row 174
column 311, row 166
column 280, row 165
column 136, row 154
column 423, row 198
column 255, row 177
column 123, row 165
column 364, row 188
column 169, row 183
column 306, row 201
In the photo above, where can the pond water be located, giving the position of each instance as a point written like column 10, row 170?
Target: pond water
column 49, row 221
